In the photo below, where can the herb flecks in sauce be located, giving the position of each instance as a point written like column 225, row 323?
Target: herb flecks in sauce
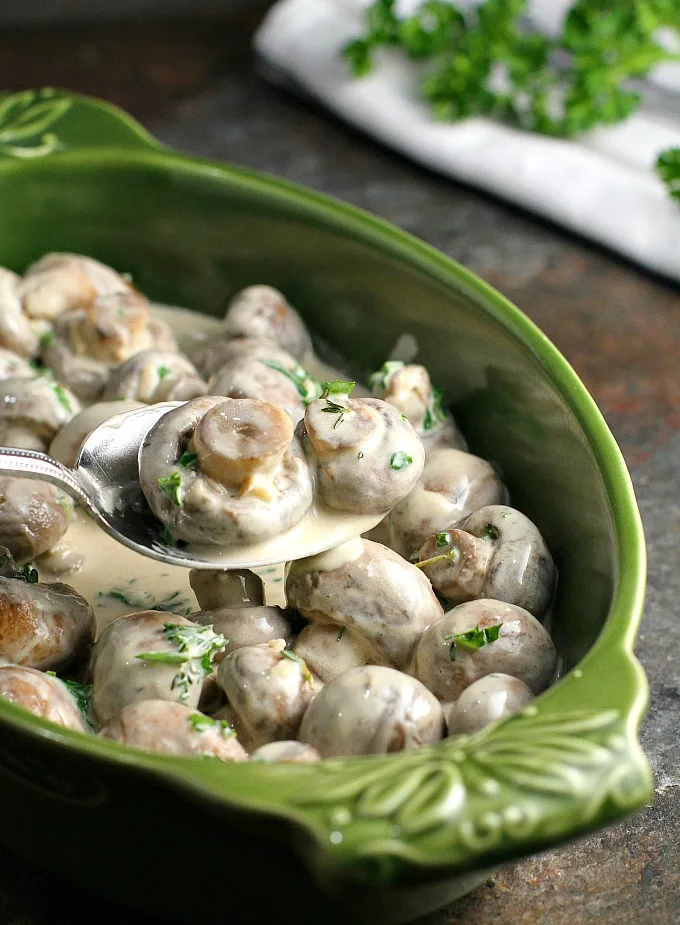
column 308, row 388
column 170, row 486
column 340, row 388
column 196, row 647
column 400, row 460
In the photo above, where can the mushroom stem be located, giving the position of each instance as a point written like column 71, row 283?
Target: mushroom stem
column 241, row 442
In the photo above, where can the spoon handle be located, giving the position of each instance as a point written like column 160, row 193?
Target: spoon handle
column 31, row 465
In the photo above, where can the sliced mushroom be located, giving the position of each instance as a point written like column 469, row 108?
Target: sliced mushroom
column 485, row 701
column 452, row 485
column 69, row 440
column 374, row 592
column 16, row 331
column 44, row 626
column 89, row 341
column 41, row 694
column 13, row 366
column 174, row 729
column 479, row 638
column 154, row 376
column 149, row 656
column 269, row 688
column 33, row 517
column 410, row 390
column 39, row 406
column 262, row 312
column 225, row 471
column 330, row 650
column 58, row 283
column 286, row 752
column 366, row 454
column 495, row 552
column 372, row 711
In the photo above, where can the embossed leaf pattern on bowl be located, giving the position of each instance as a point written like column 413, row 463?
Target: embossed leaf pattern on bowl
column 474, row 793
column 25, row 119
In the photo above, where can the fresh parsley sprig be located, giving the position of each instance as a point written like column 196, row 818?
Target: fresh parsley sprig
column 196, row 648
column 483, row 62
column 668, row 168
column 341, row 388
column 308, row 388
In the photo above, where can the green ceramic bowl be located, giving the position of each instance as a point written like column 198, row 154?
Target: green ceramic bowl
column 378, row 839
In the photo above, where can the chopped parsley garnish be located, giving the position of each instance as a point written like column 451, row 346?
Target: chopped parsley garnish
column 62, row 396
column 163, row 371
column 668, row 168
column 140, row 599
column 400, row 460
column 341, row 633
column 380, row 379
column 202, row 723
column 337, row 387
column 433, row 412
column 188, row 460
column 360, row 455
column 81, row 693
column 443, row 539
column 170, row 486
column 196, row 647
column 489, row 533
column 169, row 539
column 294, row 657
column 473, row 639
column 451, row 555
column 308, row 388
column 46, row 339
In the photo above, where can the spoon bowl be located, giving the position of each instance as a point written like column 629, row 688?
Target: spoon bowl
column 105, row 482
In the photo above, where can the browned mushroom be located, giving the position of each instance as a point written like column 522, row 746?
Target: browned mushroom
column 42, row 694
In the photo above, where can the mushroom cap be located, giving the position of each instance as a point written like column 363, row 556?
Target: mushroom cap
column 33, row 517
column 120, row 678
column 44, row 626
column 372, row 710
column 59, row 282
column 452, row 484
column 509, row 552
column 374, row 592
column 41, row 694
column 523, row 649
column 16, row 331
column 288, row 751
column 268, row 691
column 485, row 701
column 40, row 405
column 263, row 312
column 152, row 376
column 330, row 650
column 173, row 729
column 245, row 626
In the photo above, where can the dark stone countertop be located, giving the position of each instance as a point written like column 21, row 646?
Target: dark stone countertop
column 193, row 84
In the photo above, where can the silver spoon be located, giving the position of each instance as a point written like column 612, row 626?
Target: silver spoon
column 105, row 482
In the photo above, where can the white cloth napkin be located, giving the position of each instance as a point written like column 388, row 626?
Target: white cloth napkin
column 602, row 186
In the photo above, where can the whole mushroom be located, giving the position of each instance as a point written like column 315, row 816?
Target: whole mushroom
column 68, row 442
column 34, row 516
column 452, row 485
column 370, row 590
column 212, row 355
column 16, row 332
column 89, row 341
column 409, row 388
column 479, row 638
column 149, row 656
column 152, row 376
column 235, row 607
column 37, row 408
column 225, row 471
column 485, row 701
column 173, row 729
column 330, row 650
column 42, row 694
column 496, row 552
column 42, row 625
column 262, row 312
column 372, row 710
column 288, row 751
column 366, row 455
column 268, row 688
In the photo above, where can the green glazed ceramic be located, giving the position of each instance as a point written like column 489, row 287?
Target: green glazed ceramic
column 377, row 839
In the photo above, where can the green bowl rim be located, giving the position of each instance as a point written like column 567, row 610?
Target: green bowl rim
column 448, row 828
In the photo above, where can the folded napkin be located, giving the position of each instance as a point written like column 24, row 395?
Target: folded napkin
column 602, row 186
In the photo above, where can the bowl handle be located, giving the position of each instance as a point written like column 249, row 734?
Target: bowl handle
column 35, row 123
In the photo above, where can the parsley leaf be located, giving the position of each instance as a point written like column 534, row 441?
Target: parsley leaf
column 188, row 460
column 162, row 371
column 196, row 647
column 668, row 168
column 307, row 386
column 380, row 379
column 473, row 639
column 46, row 339
column 337, row 387
column 62, row 396
column 81, row 693
column 170, row 486
column 433, row 412
column 202, row 723
column 400, row 460
column 28, row 574
column 442, row 539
